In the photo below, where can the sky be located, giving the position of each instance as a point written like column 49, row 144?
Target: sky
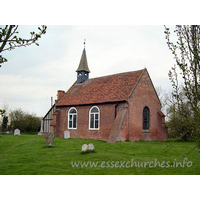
column 33, row 74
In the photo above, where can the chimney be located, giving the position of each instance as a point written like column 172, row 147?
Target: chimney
column 60, row 94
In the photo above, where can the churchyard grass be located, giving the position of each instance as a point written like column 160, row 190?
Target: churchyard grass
column 24, row 154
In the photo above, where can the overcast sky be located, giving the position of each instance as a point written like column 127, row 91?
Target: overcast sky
column 33, row 74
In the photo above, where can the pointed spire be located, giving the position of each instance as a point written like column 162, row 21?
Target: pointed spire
column 83, row 66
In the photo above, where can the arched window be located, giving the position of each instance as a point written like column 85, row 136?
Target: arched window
column 94, row 118
column 145, row 118
column 72, row 118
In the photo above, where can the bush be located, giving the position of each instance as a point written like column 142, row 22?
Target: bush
column 180, row 123
column 5, row 122
column 24, row 121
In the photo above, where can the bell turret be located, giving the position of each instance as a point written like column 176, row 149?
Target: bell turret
column 83, row 70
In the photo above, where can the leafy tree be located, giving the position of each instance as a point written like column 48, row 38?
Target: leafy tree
column 17, row 119
column 32, row 123
column 9, row 39
column 4, row 123
column 186, row 53
column 2, row 112
column 24, row 121
column 179, row 127
column 5, row 119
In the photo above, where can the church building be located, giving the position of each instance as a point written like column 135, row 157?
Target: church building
column 118, row 107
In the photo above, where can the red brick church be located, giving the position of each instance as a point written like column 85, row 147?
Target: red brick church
column 111, row 108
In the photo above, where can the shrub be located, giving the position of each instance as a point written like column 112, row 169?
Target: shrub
column 24, row 121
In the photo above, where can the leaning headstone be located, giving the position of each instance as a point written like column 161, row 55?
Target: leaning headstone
column 49, row 139
column 91, row 147
column 66, row 134
column 84, row 148
column 17, row 132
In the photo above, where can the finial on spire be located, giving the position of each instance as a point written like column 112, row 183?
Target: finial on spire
column 84, row 43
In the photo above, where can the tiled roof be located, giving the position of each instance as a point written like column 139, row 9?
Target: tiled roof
column 105, row 89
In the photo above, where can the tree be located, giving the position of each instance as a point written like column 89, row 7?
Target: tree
column 4, row 123
column 9, row 39
column 2, row 112
column 177, row 123
column 24, row 121
column 5, row 119
column 186, row 53
column 165, row 99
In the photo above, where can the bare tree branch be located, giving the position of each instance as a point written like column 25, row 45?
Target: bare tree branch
column 9, row 39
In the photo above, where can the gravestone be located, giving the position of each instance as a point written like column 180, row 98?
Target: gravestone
column 66, row 134
column 49, row 139
column 17, row 132
column 91, row 147
column 84, row 147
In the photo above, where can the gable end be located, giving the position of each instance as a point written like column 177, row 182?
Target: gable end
column 137, row 83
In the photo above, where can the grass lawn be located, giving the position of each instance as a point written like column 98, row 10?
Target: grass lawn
column 25, row 154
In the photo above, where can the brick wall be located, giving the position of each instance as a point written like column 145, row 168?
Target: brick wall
column 107, row 116
column 145, row 95
column 132, row 129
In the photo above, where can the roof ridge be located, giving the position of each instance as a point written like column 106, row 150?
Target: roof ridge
column 117, row 74
column 110, row 88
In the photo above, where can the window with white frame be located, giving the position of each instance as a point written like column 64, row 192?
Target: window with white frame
column 94, row 118
column 72, row 118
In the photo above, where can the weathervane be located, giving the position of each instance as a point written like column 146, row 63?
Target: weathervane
column 84, row 43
